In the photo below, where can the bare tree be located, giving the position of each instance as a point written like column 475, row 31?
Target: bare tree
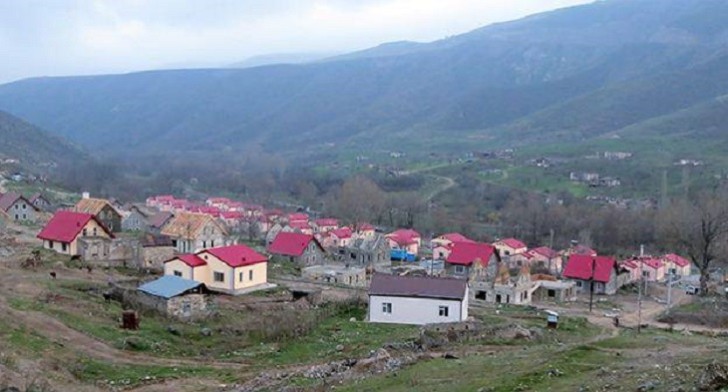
column 699, row 228
column 359, row 199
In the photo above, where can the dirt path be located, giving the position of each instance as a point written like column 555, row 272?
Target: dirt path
column 449, row 183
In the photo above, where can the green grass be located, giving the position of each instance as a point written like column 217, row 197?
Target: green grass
column 89, row 370
column 357, row 338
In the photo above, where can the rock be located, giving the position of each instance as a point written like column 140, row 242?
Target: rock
column 714, row 377
column 206, row 332
column 173, row 330
column 353, row 319
column 10, row 389
column 339, row 347
column 450, row 356
column 554, row 373
column 648, row 386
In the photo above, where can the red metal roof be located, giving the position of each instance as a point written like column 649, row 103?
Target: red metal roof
column 236, row 255
column 364, row 227
column 512, row 243
column 404, row 236
column 546, row 252
column 580, row 267
column 327, row 222
column 342, row 233
column 456, row 237
column 291, row 244
column 466, row 253
column 297, row 217
column 65, row 226
column 190, row 259
column 677, row 260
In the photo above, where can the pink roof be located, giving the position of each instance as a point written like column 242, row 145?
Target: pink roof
column 456, row 237
column 583, row 250
column 545, row 251
column 342, row 233
column 236, row 255
column 512, row 243
column 631, row 264
column 297, row 217
column 466, row 253
column 301, row 225
column 327, row 222
column 364, row 227
column 218, row 200
column 189, row 259
column 230, row 215
column 580, row 267
column 291, row 244
column 677, row 260
column 652, row 262
column 65, row 226
column 404, row 236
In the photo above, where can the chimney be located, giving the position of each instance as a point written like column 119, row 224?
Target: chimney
column 85, row 195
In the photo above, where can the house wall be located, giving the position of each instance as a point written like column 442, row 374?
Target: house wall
column 110, row 218
column 242, row 276
column 92, row 229
column 134, row 222
column 153, row 257
column 22, row 211
column 313, row 255
column 210, row 236
column 440, row 252
column 198, row 274
column 610, row 288
column 418, row 311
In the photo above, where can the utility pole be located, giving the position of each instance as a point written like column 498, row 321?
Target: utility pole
column 639, row 292
column 591, row 283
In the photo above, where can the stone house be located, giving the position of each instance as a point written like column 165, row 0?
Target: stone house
column 272, row 233
column 174, row 297
column 298, row 248
column 598, row 273
column 18, row 208
column 134, row 219
column 471, row 260
column 155, row 250
column 552, row 290
column 336, row 274
column 40, row 202
column 102, row 210
column 64, row 231
column 366, row 251
column 191, row 232
column 156, row 222
column 504, row 288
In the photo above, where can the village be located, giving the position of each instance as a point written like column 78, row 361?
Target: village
column 178, row 259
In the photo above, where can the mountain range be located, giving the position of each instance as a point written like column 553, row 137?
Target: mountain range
column 35, row 149
column 574, row 74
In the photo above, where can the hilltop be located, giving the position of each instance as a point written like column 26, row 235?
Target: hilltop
column 561, row 76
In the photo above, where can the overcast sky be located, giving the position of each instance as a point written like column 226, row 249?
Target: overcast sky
column 73, row 37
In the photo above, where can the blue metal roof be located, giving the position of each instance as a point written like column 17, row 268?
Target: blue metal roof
column 169, row 286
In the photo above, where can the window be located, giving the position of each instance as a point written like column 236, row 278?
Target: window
column 240, row 277
column 579, row 283
column 387, row 307
column 645, row 274
column 212, row 243
column 178, row 273
column 94, row 232
column 204, row 244
column 250, row 275
column 85, row 232
column 23, row 205
column 673, row 271
column 63, row 246
column 444, row 311
column 24, row 217
column 218, row 277
column 551, row 293
column 50, row 244
column 459, row 269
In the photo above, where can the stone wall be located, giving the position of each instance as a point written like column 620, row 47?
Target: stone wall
column 153, row 257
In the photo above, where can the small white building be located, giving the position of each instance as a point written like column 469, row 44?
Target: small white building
column 417, row 300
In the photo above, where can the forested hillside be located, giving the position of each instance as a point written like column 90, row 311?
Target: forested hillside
column 562, row 76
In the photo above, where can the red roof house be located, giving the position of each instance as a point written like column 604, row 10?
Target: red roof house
column 236, row 255
column 64, row 229
column 599, row 269
column 469, row 258
column 297, row 247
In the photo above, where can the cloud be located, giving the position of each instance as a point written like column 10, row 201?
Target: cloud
column 97, row 36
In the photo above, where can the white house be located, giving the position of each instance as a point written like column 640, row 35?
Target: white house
column 417, row 300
